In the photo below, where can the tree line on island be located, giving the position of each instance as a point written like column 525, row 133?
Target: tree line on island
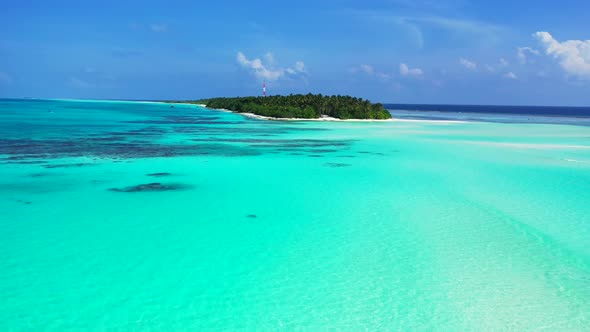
column 307, row 106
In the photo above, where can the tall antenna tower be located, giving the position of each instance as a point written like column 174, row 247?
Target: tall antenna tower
column 264, row 89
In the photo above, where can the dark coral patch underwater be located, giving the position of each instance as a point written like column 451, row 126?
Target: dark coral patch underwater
column 159, row 174
column 152, row 187
column 336, row 165
column 27, row 149
column 67, row 165
column 153, row 137
column 183, row 119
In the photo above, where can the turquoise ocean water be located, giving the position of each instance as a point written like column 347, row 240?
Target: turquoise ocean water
column 268, row 225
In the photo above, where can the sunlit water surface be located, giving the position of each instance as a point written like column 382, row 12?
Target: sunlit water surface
column 268, row 225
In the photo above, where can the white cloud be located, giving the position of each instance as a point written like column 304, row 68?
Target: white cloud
column 510, row 75
column 404, row 70
column 270, row 58
column 502, row 63
column 159, row 27
column 371, row 71
column 573, row 55
column 521, row 54
column 382, row 76
column 300, row 67
column 268, row 71
column 367, row 69
column 468, row 64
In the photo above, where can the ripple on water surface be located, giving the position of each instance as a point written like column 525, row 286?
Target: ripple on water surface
column 142, row 217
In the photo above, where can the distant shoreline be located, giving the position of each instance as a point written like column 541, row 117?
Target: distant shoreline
column 298, row 106
column 323, row 119
column 549, row 111
column 270, row 118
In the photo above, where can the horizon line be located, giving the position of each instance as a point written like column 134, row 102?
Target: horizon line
column 383, row 103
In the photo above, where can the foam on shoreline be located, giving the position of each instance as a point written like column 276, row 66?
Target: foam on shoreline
column 323, row 118
column 326, row 118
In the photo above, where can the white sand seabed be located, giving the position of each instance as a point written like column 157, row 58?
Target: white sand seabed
column 528, row 145
column 262, row 117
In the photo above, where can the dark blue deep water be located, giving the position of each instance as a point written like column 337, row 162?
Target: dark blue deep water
column 502, row 114
column 525, row 110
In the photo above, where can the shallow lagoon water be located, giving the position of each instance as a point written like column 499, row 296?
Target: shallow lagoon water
column 270, row 225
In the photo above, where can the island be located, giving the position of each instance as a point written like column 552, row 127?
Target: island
column 299, row 106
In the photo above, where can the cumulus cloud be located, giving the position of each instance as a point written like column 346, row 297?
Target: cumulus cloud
column 468, row 64
column 300, row 67
column 404, row 70
column 510, row 75
column 367, row 69
column 269, row 71
column 502, row 63
column 382, row 76
column 573, row 55
column 371, row 71
column 521, row 54
column 270, row 58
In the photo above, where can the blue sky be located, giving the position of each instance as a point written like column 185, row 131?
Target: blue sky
column 402, row 51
